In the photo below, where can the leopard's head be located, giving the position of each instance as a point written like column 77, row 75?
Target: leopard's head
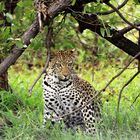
column 61, row 65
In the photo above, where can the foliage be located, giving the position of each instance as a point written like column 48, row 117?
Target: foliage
column 94, row 64
column 19, row 21
column 66, row 35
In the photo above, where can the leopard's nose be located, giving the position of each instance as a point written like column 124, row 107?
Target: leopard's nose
column 66, row 76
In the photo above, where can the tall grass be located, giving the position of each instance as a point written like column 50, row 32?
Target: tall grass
column 23, row 114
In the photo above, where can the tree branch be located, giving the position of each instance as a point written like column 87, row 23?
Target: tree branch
column 125, row 85
column 79, row 4
column 129, row 81
column 16, row 52
column 127, row 29
column 91, row 22
column 139, row 71
column 48, row 44
column 135, row 99
column 118, row 12
column 89, row 1
column 112, row 11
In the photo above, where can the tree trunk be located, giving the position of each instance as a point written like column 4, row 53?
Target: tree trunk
column 4, row 80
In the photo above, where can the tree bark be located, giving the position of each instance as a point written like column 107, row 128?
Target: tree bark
column 4, row 80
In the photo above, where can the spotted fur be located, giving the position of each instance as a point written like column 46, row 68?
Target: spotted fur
column 64, row 92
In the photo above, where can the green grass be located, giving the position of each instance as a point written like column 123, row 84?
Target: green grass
column 25, row 113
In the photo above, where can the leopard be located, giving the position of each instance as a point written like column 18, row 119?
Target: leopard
column 64, row 92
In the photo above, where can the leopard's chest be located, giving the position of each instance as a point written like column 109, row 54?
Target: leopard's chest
column 62, row 100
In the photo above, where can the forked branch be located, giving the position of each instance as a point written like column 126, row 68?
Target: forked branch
column 135, row 99
column 127, row 29
column 112, row 11
column 139, row 71
column 123, row 18
column 125, row 85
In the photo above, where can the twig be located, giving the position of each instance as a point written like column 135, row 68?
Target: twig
column 135, row 99
column 92, row 18
column 118, row 12
column 125, row 85
column 112, row 11
column 139, row 40
column 102, row 90
column 121, row 42
column 48, row 44
column 127, row 29
column 129, row 81
column 138, row 70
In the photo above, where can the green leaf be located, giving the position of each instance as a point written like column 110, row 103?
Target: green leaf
column 2, row 6
column 73, row 2
column 5, row 33
column 27, row 3
column 102, row 30
column 107, row 32
column 20, row 4
column 36, row 43
column 19, row 42
column 9, row 17
column 136, row 2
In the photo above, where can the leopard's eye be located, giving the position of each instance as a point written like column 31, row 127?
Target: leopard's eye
column 58, row 65
column 70, row 63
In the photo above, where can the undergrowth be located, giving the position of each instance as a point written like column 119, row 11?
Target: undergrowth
column 21, row 115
